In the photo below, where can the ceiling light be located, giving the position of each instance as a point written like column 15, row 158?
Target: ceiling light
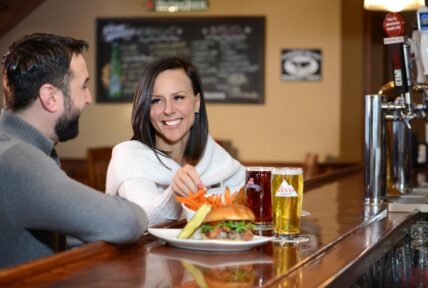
column 393, row 5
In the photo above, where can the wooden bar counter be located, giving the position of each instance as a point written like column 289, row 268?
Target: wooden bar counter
column 346, row 237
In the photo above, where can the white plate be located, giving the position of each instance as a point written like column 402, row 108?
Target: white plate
column 215, row 260
column 305, row 213
column 170, row 236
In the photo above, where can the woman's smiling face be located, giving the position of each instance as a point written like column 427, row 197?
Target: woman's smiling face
column 173, row 108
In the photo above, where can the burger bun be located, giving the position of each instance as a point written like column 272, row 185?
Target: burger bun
column 233, row 212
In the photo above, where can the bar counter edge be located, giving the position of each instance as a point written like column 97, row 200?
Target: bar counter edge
column 355, row 252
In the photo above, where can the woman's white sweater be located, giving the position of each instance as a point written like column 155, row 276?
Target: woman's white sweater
column 136, row 174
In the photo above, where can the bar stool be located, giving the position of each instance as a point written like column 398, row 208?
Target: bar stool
column 311, row 166
column 98, row 160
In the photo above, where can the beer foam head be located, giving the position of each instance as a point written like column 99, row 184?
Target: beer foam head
column 287, row 171
column 259, row 168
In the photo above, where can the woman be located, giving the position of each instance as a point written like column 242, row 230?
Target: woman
column 171, row 152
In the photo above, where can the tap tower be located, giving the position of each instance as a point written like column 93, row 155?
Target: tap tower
column 388, row 137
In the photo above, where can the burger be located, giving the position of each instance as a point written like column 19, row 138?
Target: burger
column 229, row 222
column 221, row 269
column 233, row 276
column 236, row 276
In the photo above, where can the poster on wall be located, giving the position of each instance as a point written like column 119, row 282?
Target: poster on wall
column 301, row 64
column 228, row 51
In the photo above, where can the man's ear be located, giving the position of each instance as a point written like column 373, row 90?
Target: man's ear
column 49, row 97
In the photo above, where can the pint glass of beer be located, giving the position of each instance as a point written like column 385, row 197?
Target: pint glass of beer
column 258, row 181
column 287, row 194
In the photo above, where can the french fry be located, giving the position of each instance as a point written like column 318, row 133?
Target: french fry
column 200, row 193
column 227, row 198
column 218, row 200
column 190, row 194
column 233, row 197
column 182, row 200
column 195, row 200
column 188, row 202
column 240, row 196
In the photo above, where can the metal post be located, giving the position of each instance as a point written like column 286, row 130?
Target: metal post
column 375, row 150
column 401, row 156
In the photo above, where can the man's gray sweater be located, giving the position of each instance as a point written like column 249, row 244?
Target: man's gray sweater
column 38, row 201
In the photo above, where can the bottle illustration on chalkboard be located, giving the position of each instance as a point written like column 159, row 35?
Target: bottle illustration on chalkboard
column 115, row 86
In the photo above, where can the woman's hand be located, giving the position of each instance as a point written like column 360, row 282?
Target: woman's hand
column 186, row 179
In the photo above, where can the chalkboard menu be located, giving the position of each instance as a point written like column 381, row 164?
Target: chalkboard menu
column 228, row 51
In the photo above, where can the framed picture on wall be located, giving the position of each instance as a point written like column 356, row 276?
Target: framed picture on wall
column 228, row 51
column 301, row 64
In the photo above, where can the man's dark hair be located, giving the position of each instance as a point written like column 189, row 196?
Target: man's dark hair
column 141, row 124
column 34, row 60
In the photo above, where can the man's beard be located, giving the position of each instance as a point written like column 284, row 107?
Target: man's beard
column 67, row 126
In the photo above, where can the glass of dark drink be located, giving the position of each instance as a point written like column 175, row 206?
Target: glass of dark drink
column 259, row 199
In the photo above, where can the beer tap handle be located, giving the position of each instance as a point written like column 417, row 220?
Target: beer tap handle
column 417, row 52
column 407, row 122
column 406, row 118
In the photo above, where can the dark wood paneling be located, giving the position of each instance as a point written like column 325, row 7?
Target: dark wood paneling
column 13, row 11
column 76, row 169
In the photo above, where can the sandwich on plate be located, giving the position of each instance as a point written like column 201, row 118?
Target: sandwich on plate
column 228, row 222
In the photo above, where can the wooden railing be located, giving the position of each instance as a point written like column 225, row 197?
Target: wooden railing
column 77, row 168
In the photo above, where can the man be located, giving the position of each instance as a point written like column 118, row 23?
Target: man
column 45, row 81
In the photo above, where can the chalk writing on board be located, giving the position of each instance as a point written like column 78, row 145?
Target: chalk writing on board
column 228, row 51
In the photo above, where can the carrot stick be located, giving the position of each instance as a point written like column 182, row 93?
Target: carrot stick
column 199, row 194
column 180, row 199
column 195, row 200
column 218, row 200
column 227, row 198
column 197, row 203
column 184, row 200
column 192, row 207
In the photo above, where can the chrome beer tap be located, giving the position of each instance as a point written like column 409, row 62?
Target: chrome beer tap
column 393, row 156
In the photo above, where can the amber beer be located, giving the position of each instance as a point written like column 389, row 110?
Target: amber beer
column 258, row 184
column 287, row 194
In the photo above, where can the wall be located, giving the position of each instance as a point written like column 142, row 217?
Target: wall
column 297, row 117
column 351, row 81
